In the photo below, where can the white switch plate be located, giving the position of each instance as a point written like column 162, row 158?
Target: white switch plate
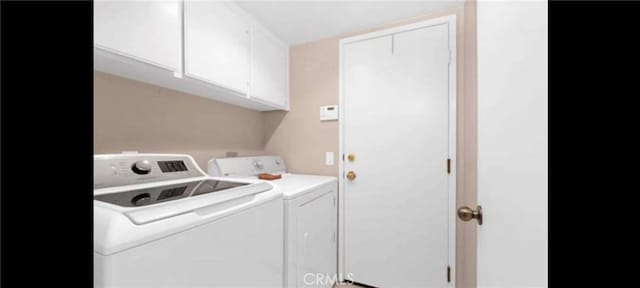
column 328, row 113
column 328, row 158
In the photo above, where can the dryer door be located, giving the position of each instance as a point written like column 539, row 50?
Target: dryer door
column 317, row 257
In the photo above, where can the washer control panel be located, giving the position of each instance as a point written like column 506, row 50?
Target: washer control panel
column 112, row 170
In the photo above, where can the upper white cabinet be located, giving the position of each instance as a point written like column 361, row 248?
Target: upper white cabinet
column 211, row 49
column 217, row 44
column 269, row 68
column 147, row 31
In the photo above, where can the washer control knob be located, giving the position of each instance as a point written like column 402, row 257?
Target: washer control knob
column 141, row 167
column 258, row 164
column 141, row 199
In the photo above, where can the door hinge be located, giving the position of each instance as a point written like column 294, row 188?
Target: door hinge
column 448, row 166
column 342, row 157
column 393, row 43
column 448, row 274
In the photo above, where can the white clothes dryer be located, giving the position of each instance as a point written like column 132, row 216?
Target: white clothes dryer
column 310, row 217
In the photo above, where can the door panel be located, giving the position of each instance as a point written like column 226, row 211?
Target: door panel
column 269, row 68
column 147, row 31
column 217, row 44
column 512, row 144
column 396, row 91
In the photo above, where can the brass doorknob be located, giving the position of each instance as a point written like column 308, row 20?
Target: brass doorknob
column 351, row 175
column 466, row 214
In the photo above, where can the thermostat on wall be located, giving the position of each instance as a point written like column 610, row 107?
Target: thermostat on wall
column 328, row 112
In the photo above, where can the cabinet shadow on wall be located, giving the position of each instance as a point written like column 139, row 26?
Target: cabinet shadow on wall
column 272, row 120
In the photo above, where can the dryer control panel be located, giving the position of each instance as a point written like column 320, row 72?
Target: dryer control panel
column 246, row 166
column 112, row 170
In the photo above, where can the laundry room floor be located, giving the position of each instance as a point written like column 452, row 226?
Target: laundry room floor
column 346, row 286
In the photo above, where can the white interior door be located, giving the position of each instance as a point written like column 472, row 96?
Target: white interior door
column 396, row 121
column 512, row 143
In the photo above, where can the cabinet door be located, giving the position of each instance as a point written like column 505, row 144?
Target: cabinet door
column 269, row 68
column 148, row 31
column 217, row 45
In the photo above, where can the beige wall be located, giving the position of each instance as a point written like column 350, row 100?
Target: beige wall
column 302, row 139
column 298, row 135
column 131, row 115
column 468, row 150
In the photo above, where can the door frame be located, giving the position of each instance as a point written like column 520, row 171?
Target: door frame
column 451, row 21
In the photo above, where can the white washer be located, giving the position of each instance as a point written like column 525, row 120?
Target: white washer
column 160, row 221
column 310, row 217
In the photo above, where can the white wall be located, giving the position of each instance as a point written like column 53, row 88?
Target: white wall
column 512, row 143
